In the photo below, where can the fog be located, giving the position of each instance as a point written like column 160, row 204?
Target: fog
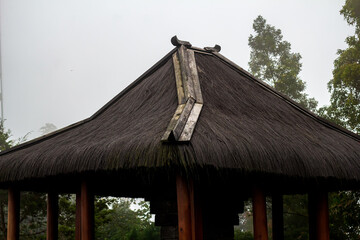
column 63, row 60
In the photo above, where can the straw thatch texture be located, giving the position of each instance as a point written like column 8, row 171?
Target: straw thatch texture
column 126, row 134
column 243, row 126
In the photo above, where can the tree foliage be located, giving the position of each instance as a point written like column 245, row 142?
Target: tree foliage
column 272, row 61
column 344, row 106
column 344, row 215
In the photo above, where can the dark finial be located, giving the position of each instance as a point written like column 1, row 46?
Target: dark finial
column 176, row 42
column 216, row 48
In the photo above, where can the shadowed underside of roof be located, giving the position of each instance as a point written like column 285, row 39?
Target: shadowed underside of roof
column 243, row 125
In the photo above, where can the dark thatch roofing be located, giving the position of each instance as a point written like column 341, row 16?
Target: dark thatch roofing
column 244, row 125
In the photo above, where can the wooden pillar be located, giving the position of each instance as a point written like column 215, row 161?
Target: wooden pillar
column 87, row 212
column 196, row 213
column 259, row 215
column 277, row 217
column 52, row 216
column 184, row 208
column 189, row 211
column 78, row 217
column 13, row 214
column 319, row 216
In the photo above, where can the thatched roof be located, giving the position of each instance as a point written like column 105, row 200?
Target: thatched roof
column 244, row 125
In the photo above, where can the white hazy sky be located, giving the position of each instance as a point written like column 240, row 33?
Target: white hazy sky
column 64, row 59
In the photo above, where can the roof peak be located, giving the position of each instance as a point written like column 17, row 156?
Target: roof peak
column 178, row 43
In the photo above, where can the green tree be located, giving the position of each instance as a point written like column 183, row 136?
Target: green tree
column 296, row 224
column 344, row 215
column 344, row 109
column 344, row 106
column 128, row 224
column 272, row 61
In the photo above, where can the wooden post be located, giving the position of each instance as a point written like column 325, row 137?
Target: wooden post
column 184, row 209
column 87, row 213
column 52, row 216
column 196, row 213
column 13, row 214
column 189, row 210
column 319, row 216
column 259, row 214
column 78, row 217
column 277, row 217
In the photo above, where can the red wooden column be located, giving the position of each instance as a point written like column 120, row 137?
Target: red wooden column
column 87, row 213
column 189, row 211
column 13, row 214
column 319, row 216
column 196, row 213
column 277, row 216
column 52, row 216
column 259, row 214
column 78, row 217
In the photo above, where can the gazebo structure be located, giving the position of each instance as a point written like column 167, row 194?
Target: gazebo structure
column 195, row 135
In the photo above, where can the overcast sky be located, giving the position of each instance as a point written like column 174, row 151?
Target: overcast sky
column 64, row 59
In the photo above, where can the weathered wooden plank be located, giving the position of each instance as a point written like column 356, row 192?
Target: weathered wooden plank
column 181, row 122
column 52, row 216
column 194, row 77
column 191, row 123
column 13, row 214
column 259, row 214
column 179, row 81
column 173, row 122
column 185, row 73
